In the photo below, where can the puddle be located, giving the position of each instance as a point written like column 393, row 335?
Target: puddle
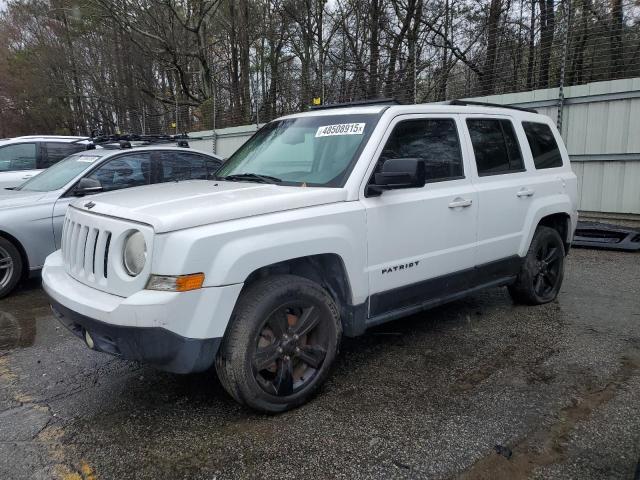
column 16, row 333
column 25, row 319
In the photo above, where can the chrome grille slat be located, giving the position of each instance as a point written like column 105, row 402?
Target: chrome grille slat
column 74, row 245
column 82, row 245
column 98, row 262
column 89, row 249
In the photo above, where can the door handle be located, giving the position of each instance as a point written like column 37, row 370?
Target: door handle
column 460, row 202
column 27, row 177
column 525, row 192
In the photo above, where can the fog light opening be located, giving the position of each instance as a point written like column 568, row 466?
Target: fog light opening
column 89, row 340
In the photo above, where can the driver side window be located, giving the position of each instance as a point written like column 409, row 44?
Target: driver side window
column 434, row 140
column 124, row 172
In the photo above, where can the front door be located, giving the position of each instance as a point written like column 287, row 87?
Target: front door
column 421, row 240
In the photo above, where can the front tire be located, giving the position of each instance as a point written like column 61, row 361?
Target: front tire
column 10, row 267
column 541, row 275
column 281, row 342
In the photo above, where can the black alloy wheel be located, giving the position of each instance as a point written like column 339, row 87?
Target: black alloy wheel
column 290, row 349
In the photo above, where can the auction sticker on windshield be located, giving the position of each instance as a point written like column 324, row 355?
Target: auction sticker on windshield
column 87, row 159
column 341, row 129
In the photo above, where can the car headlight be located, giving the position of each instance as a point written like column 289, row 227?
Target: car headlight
column 134, row 255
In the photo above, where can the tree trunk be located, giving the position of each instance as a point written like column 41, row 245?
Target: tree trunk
column 532, row 46
column 547, row 27
column 489, row 70
column 616, row 46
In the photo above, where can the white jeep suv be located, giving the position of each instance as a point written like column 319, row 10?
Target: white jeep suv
column 324, row 223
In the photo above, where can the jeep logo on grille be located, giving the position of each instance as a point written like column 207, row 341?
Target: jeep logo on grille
column 90, row 205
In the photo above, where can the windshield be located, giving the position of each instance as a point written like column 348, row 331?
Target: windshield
column 58, row 175
column 314, row 151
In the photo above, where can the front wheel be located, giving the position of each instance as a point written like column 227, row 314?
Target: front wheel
column 10, row 267
column 542, row 272
column 280, row 344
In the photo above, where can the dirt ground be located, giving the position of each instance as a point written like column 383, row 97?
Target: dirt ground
column 479, row 388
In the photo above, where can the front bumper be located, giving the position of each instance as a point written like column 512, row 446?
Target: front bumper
column 153, row 345
column 178, row 332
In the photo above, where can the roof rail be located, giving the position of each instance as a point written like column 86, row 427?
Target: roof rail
column 357, row 103
column 486, row 104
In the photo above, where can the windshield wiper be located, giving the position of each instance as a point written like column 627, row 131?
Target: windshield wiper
column 251, row 177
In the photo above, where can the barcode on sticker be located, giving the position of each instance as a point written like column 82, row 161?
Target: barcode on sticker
column 341, row 129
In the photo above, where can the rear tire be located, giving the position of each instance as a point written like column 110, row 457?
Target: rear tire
column 10, row 267
column 541, row 275
column 280, row 344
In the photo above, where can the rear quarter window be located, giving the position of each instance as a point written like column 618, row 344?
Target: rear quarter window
column 544, row 147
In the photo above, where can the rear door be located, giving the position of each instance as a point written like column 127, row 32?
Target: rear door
column 505, row 190
column 421, row 240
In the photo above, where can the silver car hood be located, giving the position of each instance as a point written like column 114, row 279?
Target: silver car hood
column 175, row 206
column 18, row 198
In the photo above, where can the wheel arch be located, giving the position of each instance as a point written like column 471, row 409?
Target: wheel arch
column 326, row 269
column 561, row 222
column 555, row 211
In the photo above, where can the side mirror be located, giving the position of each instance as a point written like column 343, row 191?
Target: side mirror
column 87, row 186
column 398, row 173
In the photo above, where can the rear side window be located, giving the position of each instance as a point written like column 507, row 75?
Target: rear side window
column 495, row 146
column 19, row 156
column 56, row 151
column 176, row 166
column 434, row 140
column 544, row 148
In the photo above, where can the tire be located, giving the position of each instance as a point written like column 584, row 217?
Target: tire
column 10, row 267
column 282, row 339
column 541, row 275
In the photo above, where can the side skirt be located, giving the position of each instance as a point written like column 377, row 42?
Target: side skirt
column 414, row 298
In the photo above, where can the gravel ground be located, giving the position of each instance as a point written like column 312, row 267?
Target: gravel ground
column 557, row 387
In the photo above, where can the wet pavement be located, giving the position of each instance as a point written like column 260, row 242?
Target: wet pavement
column 556, row 388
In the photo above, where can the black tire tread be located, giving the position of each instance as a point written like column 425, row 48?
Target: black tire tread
column 17, row 266
column 231, row 354
column 521, row 290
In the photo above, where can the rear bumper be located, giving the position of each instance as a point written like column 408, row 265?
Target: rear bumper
column 153, row 345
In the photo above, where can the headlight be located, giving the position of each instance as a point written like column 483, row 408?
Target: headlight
column 135, row 253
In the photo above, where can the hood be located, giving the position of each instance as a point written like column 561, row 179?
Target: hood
column 174, row 206
column 18, row 198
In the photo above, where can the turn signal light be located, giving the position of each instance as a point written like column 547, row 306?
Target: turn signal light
column 179, row 283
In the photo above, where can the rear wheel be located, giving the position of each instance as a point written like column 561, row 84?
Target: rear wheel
column 10, row 267
column 540, row 278
column 280, row 345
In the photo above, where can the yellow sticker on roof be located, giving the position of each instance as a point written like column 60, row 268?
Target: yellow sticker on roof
column 341, row 129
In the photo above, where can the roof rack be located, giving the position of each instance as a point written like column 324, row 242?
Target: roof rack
column 357, row 103
column 486, row 104
column 122, row 141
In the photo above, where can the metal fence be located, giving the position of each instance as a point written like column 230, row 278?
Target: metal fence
column 516, row 46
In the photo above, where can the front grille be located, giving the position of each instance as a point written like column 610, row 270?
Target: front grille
column 91, row 244
column 85, row 249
